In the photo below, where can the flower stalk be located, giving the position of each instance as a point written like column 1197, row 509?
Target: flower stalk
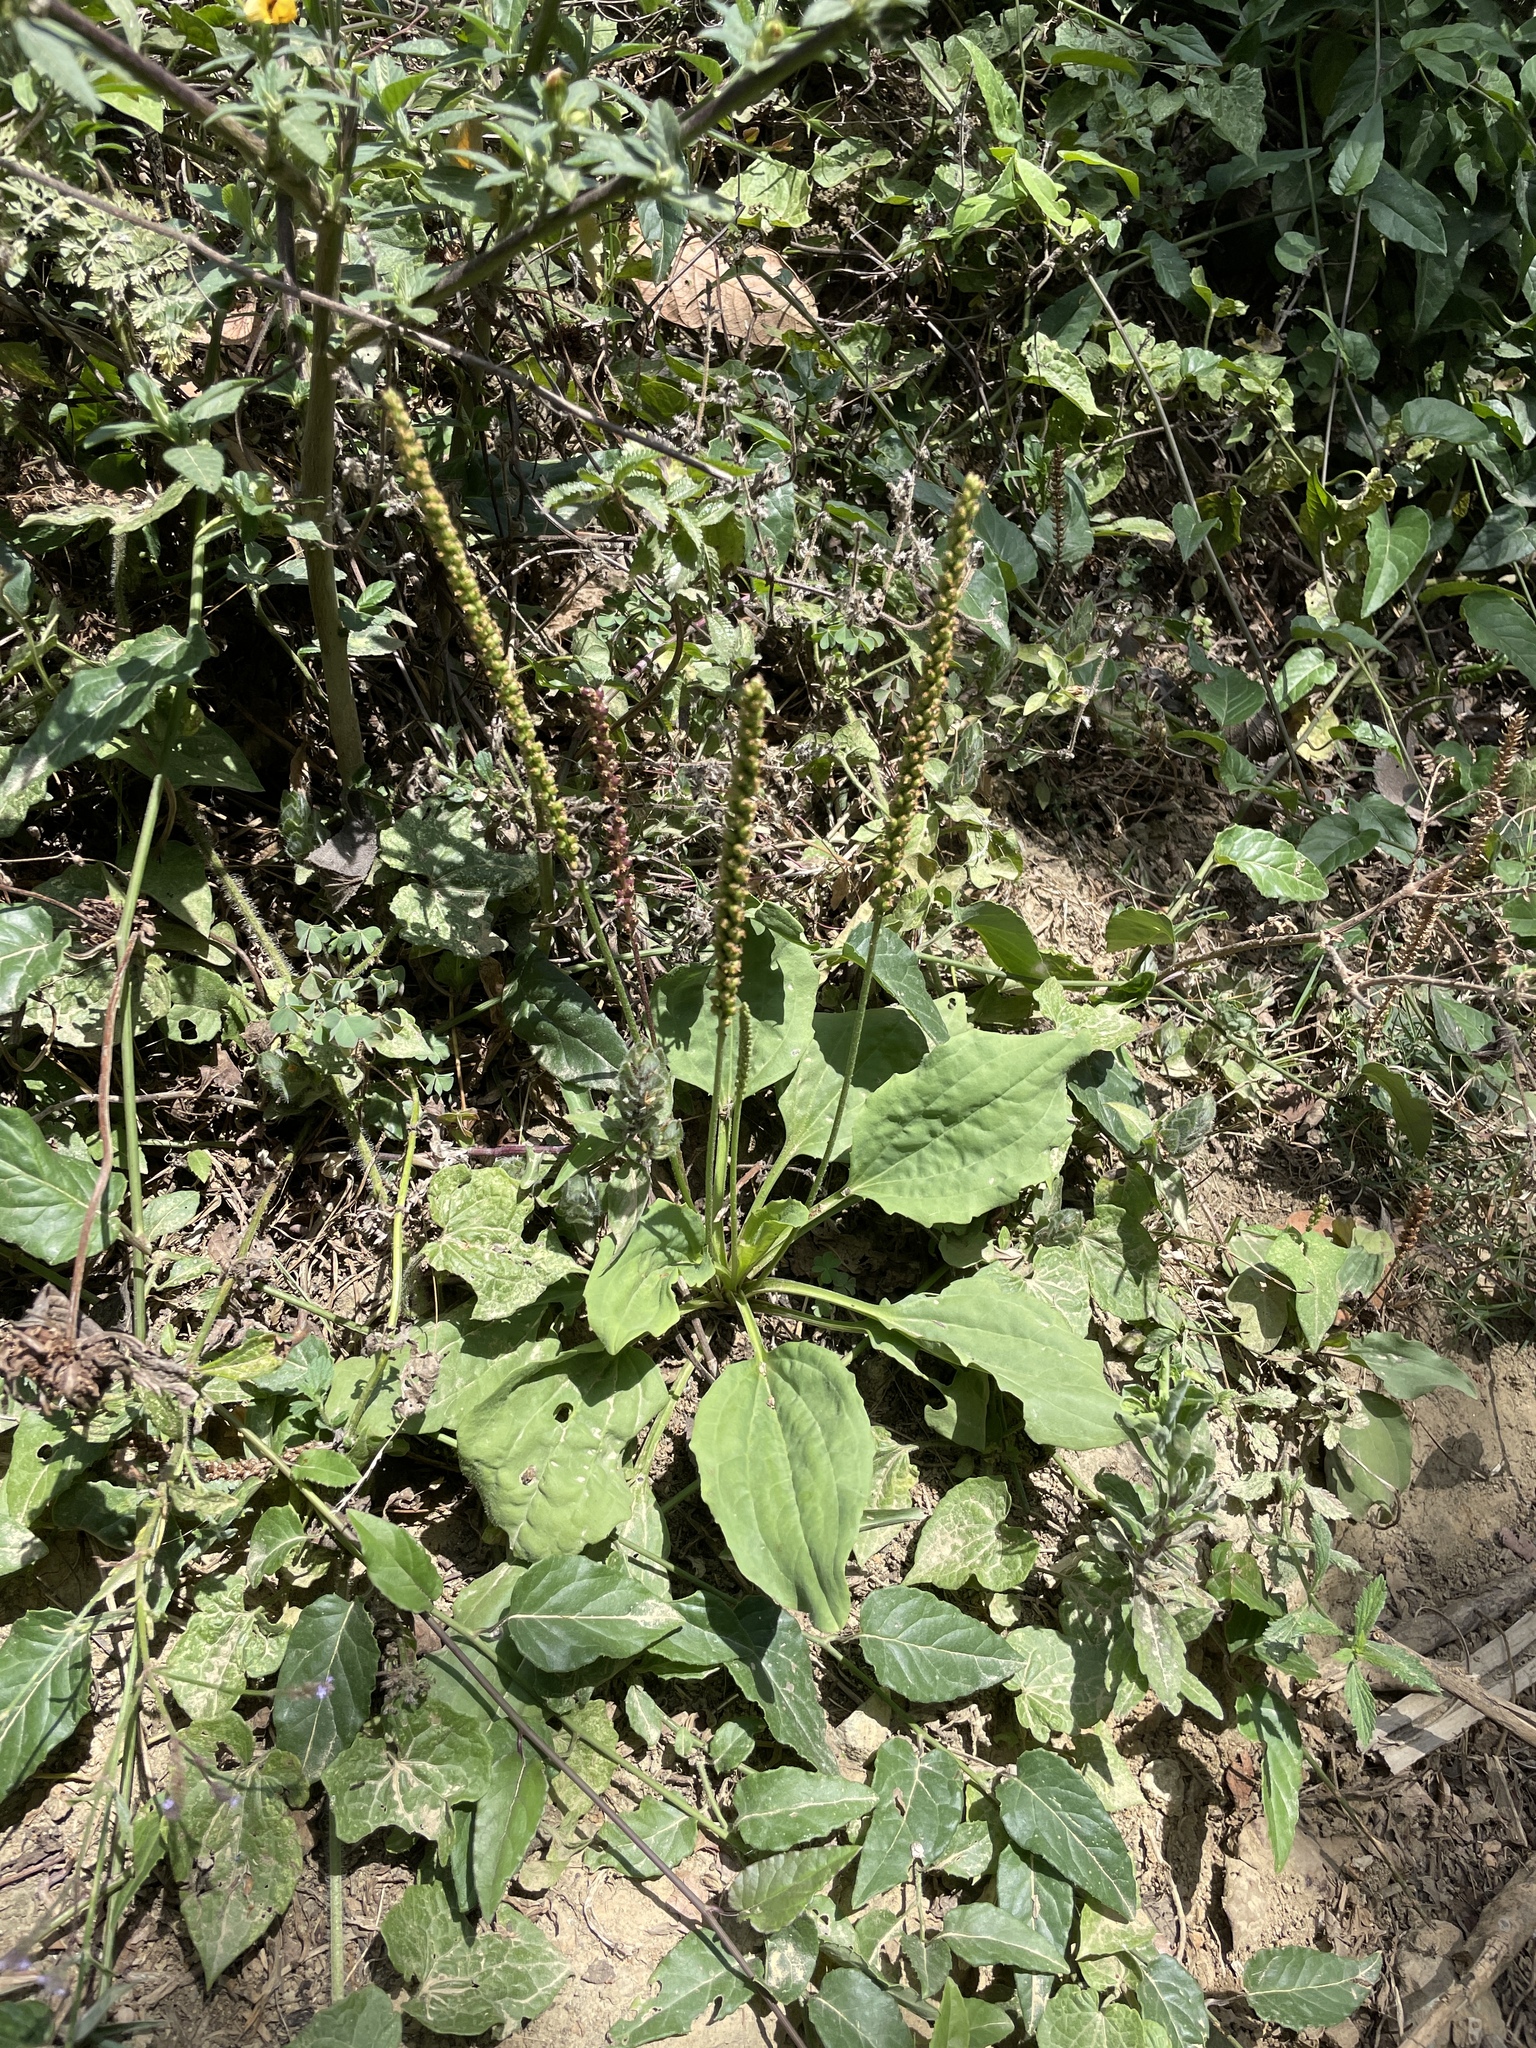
column 731, row 920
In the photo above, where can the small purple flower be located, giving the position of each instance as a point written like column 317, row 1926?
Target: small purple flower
column 324, row 1687
column 169, row 1804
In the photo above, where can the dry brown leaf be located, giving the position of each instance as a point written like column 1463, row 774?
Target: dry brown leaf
column 750, row 294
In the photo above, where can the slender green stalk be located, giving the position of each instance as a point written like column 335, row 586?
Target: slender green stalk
column 336, row 1888
column 133, row 1164
column 731, row 930
column 920, row 734
column 397, row 1231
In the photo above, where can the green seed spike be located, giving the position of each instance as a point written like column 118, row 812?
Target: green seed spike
column 736, row 849
column 549, row 806
column 921, row 730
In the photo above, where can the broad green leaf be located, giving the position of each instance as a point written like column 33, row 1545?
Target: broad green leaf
column 1406, row 1369
column 690, row 1977
column 1308, row 1987
column 1168, row 1995
column 778, row 989
column 396, row 1562
column 199, row 462
column 1009, row 942
column 851, row 2011
column 1003, row 1326
column 29, row 953
column 783, row 1808
column 572, row 1037
column 1048, row 1808
column 507, row 1815
column 428, row 1759
column 786, row 1457
column 1405, row 212
column 1234, row 105
column 1441, row 419
column 1189, row 528
column 476, row 1359
column 320, row 1467
column 1360, row 154
column 671, row 1833
column 26, row 2022
column 1075, row 2019
column 1373, row 1460
column 99, row 702
column 546, row 1455
column 899, row 972
column 631, row 1291
column 239, row 1862
column 44, row 1194
column 967, row 1537
column 568, row 1611
column 325, row 1685
column 1275, row 867
column 1128, row 929
column 776, row 1890
column 986, row 1934
column 1394, row 549
column 222, row 1644
column 969, row 1129
column 482, row 1213
column 890, row 1043
column 1230, row 696
column 952, row 2028
column 1029, row 1890
column 919, row 1804
column 364, row 2019
column 1412, row 1112
column 1043, row 1682
column 773, row 1668
column 1501, row 625
column 1040, row 359
column 924, row 1649
column 1159, row 1649
column 1336, row 840
column 467, row 1983
column 45, row 1689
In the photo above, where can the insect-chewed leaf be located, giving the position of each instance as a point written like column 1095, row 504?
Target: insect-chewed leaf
column 690, row 1977
column 786, row 1459
column 919, row 1805
column 466, row 1984
column 45, row 1688
column 545, row 1455
column 364, row 2019
column 569, row 1611
column 235, row 1853
column 1307, row 1987
column 781, row 1809
column 968, row 1129
column 1047, row 1807
column 427, row 1760
column 325, row 1685
column 924, row 1649
column 482, row 1213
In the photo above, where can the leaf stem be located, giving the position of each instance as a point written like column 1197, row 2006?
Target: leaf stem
column 877, row 920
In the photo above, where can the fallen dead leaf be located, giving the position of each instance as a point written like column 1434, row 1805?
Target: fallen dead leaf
column 750, row 294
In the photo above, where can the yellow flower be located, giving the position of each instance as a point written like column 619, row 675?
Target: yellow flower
column 272, row 13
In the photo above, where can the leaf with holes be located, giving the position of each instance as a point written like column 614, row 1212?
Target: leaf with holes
column 45, row 1689
column 1047, row 1807
column 468, row 1983
column 786, row 1458
column 325, row 1685
column 427, row 1760
column 546, row 1454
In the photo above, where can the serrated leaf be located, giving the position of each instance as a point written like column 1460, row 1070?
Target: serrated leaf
column 986, row 1934
column 922, row 1648
column 1394, row 549
column 29, row 953
column 545, row 1454
column 45, row 1689
column 238, row 1863
column 1308, row 1987
column 468, row 1983
column 44, row 1194
column 850, row 2011
column 967, row 1537
column 364, row 2019
column 396, row 1562
column 427, row 1759
column 785, row 1456
column 776, row 1890
column 1275, row 867
column 971, row 1127
column 1406, row 1369
column 890, row 1043
column 631, row 1290
column 919, row 1804
column 783, row 1808
column 778, row 992
column 690, row 1977
column 482, row 1213
column 1048, row 1808
column 1010, row 1331
column 325, row 1684
column 569, row 1611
